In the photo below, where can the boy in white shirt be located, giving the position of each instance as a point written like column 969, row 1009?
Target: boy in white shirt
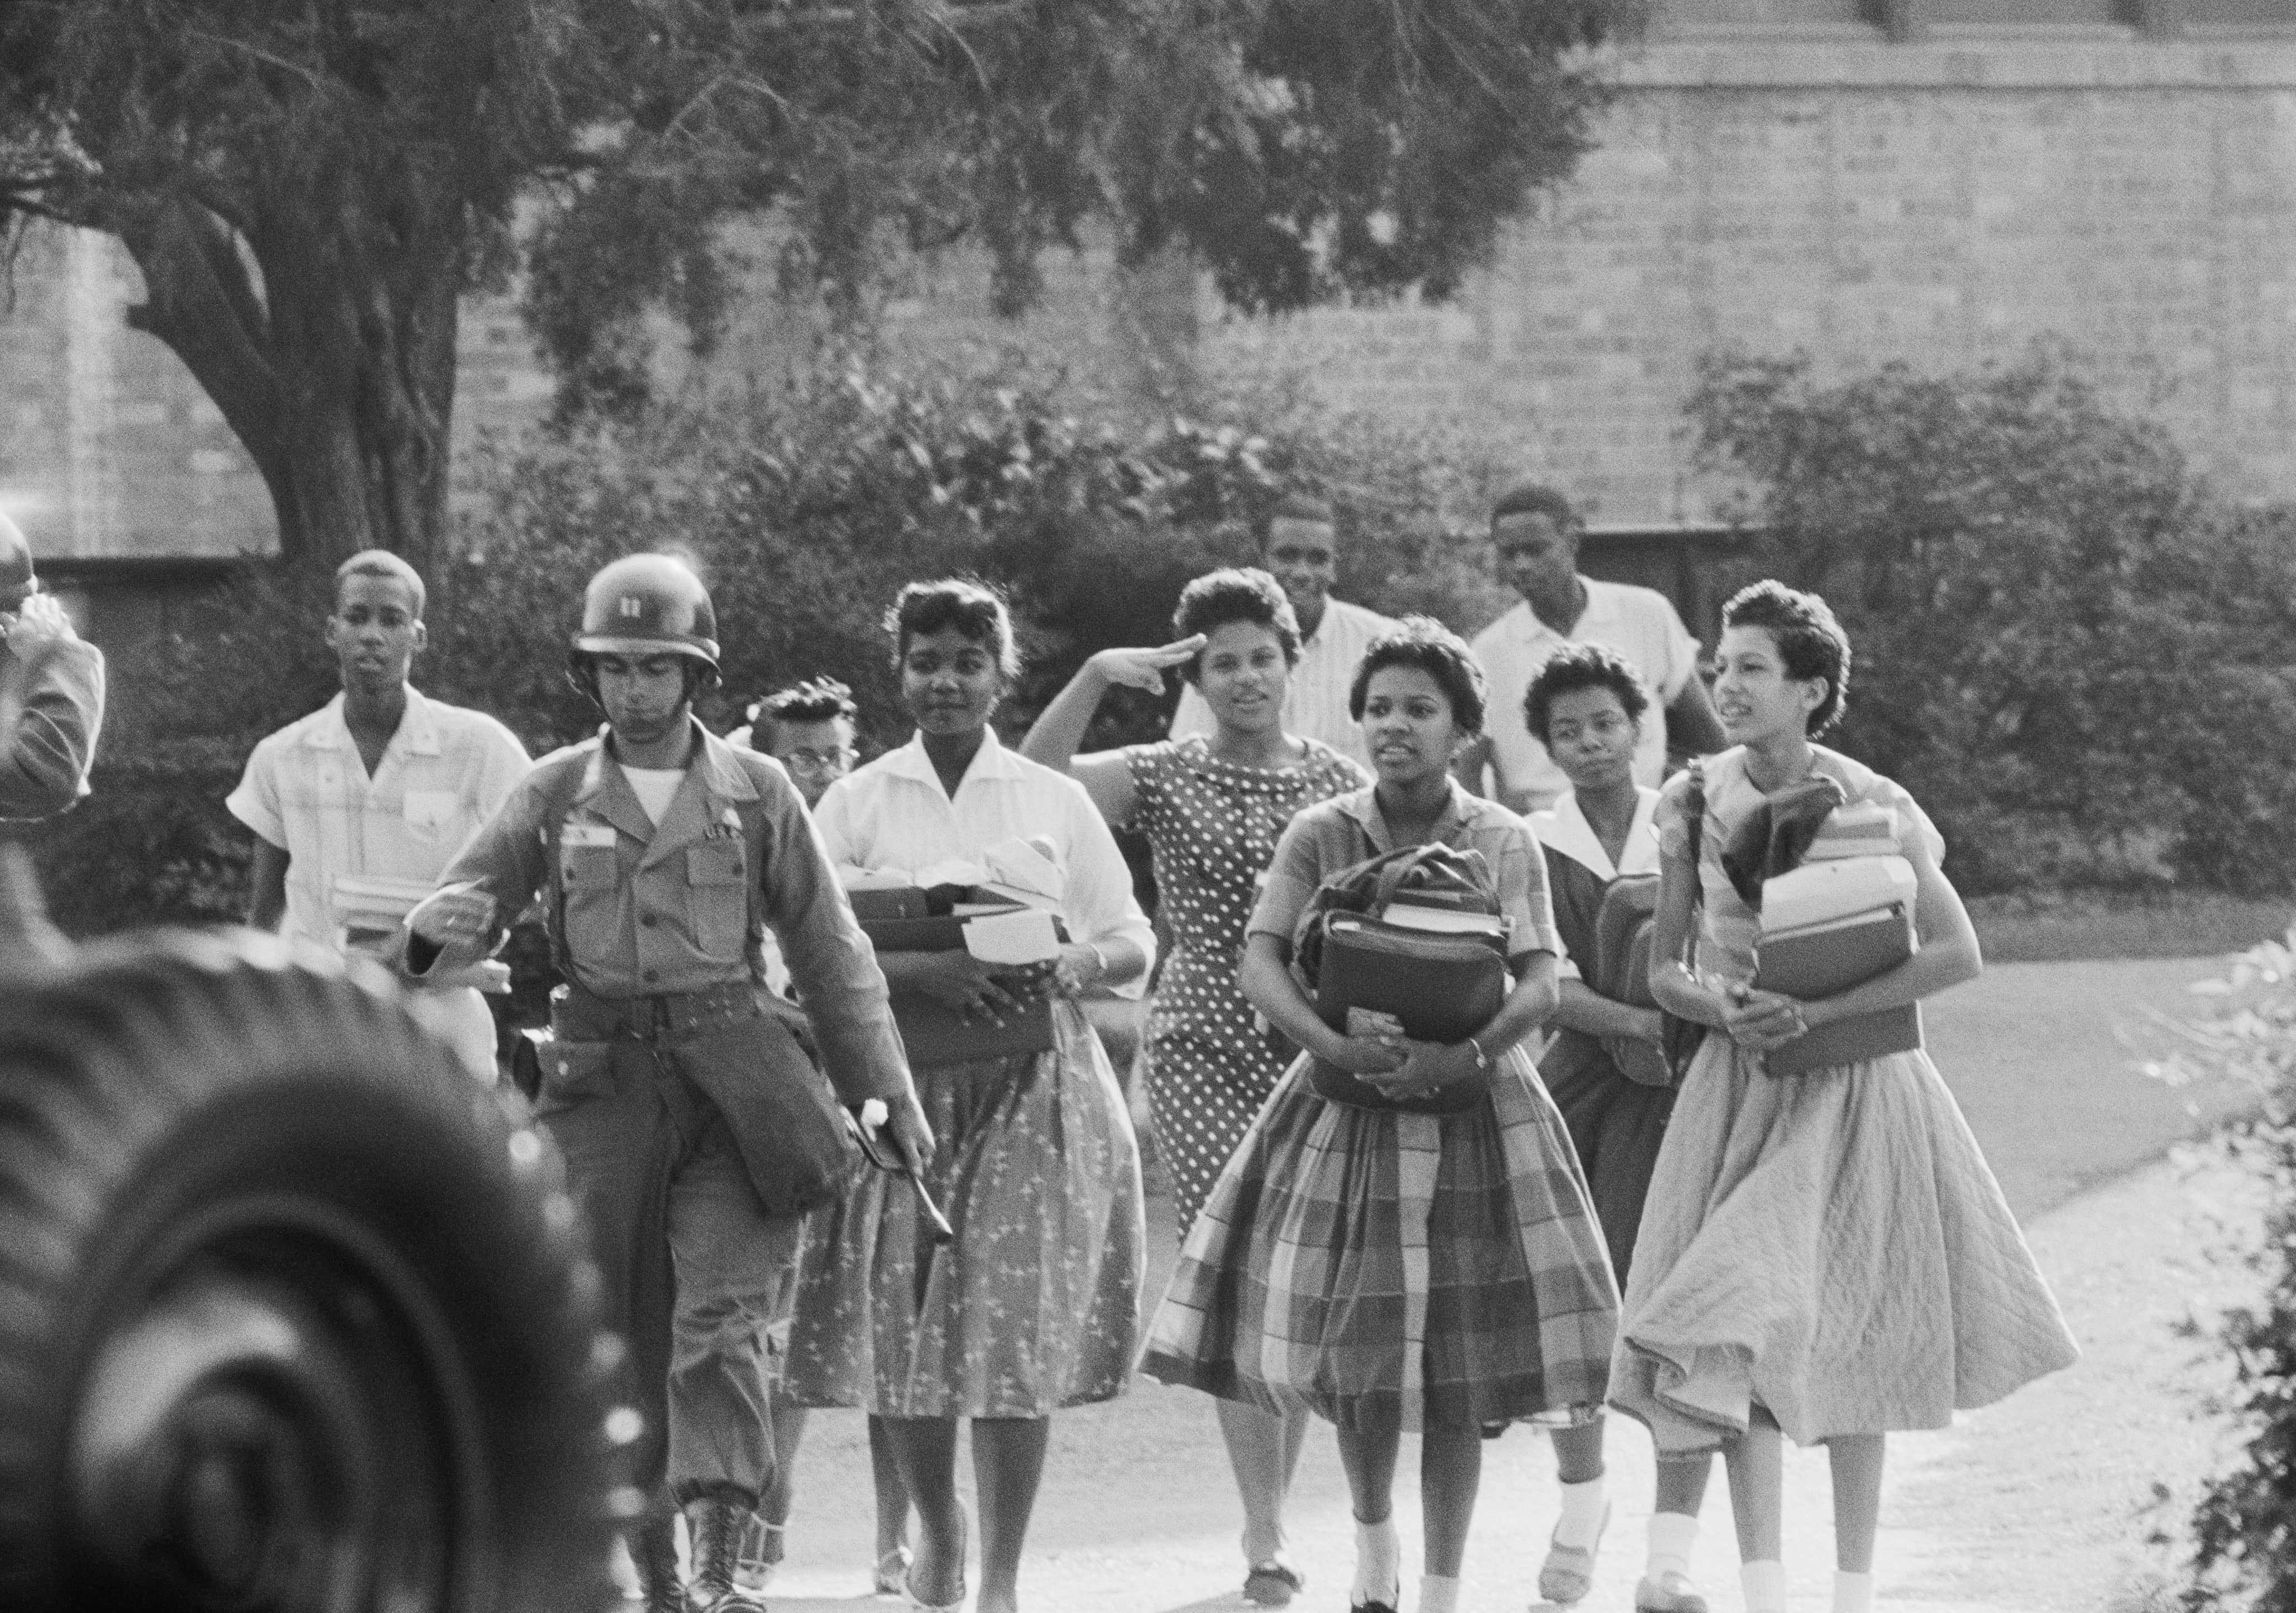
column 379, row 786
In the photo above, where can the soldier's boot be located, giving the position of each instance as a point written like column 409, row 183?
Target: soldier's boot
column 715, row 1527
column 654, row 1550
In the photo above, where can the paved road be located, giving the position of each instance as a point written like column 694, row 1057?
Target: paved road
column 2034, row 1506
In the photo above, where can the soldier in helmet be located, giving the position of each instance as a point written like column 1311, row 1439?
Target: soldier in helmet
column 696, row 1131
column 53, row 682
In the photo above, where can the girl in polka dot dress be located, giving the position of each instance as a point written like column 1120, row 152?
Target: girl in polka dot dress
column 1212, row 808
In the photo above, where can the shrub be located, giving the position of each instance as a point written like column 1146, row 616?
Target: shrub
column 2244, row 1527
column 805, row 505
column 2064, row 649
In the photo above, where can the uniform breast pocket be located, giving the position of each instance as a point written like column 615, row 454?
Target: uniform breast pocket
column 589, row 875
column 717, row 898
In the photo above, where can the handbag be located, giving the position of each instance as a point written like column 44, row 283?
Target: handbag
column 1625, row 930
column 1624, row 926
column 1443, row 986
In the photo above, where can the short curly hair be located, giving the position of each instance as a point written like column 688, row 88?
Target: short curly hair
column 816, row 701
column 1809, row 638
column 973, row 608
column 1426, row 644
column 1577, row 666
column 1235, row 593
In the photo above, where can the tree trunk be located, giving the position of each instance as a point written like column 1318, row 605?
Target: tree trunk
column 334, row 366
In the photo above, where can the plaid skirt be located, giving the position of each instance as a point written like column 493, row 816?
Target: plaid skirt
column 1437, row 1270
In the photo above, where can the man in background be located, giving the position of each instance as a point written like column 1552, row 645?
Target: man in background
column 1300, row 549
column 358, row 807
column 51, row 687
column 1535, row 535
column 808, row 730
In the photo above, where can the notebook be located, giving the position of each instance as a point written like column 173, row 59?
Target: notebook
column 1831, row 955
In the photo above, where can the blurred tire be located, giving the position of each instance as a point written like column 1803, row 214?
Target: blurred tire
column 293, row 1314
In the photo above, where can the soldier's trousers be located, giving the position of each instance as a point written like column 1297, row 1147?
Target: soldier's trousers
column 695, row 1270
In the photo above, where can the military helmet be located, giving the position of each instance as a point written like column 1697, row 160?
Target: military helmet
column 17, row 582
column 648, row 604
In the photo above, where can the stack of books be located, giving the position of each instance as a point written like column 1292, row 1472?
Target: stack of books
column 1007, row 933
column 1436, row 967
column 1830, row 925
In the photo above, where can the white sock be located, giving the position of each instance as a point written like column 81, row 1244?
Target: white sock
column 1379, row 1562
column 1672, row 1537
column 1438, row 1594
column 1582, row 1516
column 1853, row 1592
column 1766, row 1586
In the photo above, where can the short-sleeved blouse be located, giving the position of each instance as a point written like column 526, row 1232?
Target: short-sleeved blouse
column 1214, row 826
column 1346, row 830
column 1728, row 930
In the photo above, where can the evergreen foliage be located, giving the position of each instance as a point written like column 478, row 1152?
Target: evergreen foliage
column 2073, row 656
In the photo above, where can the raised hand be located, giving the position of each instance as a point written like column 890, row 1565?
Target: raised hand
column 1145, row 668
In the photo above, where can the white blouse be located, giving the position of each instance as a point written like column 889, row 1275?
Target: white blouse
column 894, row 814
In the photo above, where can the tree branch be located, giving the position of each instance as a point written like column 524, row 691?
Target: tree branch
column 973, row 13
column 202, row 305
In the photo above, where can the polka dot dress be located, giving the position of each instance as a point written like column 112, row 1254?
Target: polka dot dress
column 1213, row 827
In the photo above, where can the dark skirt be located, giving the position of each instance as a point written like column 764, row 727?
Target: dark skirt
column 1617, row 1127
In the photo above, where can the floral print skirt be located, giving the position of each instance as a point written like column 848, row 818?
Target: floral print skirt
column 1035, row 1305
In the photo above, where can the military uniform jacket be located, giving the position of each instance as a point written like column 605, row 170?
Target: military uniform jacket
column 638, row 909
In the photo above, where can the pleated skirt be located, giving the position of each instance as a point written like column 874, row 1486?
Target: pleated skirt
column 1431, row 1271
column 1830, row 1247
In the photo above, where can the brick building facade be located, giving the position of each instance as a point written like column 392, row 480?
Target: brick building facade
column 1942, row 181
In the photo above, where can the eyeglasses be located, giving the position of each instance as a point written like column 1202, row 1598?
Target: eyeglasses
column 1292, row 554
column 817, row 761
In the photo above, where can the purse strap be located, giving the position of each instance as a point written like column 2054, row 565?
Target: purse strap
column 1694, row 805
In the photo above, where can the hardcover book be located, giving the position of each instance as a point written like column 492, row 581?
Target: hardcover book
column 1820, row 959
column 1439, row 987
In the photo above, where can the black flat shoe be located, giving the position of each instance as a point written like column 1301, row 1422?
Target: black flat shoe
column 1273, row 1584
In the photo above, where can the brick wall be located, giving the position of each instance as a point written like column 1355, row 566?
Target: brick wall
column 1946, row 201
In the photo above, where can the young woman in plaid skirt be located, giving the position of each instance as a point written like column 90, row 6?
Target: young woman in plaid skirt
column 1391, row 1270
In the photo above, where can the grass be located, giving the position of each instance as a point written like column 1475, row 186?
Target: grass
column 2062, row 926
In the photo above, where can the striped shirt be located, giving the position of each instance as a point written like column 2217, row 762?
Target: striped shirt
column 1316, row 703
column 1349, row 829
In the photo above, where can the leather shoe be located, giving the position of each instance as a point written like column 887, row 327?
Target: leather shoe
column 1568, row 1574
column 1668, row 1592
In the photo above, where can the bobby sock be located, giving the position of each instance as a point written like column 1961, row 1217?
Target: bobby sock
column 1379, row 1562
column 1672, row 1537
column 1853, row 1592
column 1766, row 1586
column 1582, row 1516
column 1438, row 1594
